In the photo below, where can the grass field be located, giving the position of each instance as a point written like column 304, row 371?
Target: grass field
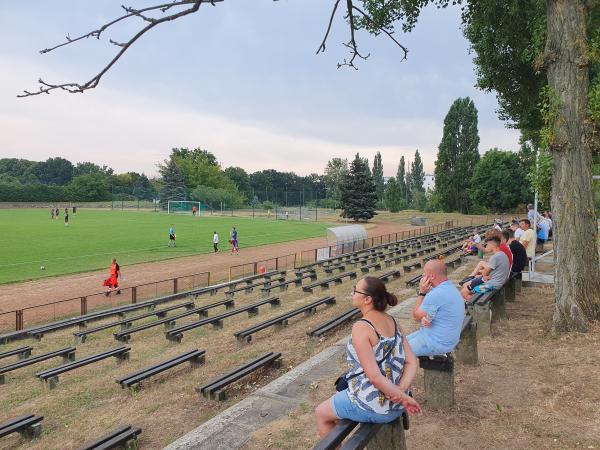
column 30, row 239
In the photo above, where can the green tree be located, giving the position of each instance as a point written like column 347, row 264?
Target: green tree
column 335, row 173
column 58, row 171
column 417, row 174
column 498, row 181
column 241, row 179
column 378, row 176
column 83, row 168
column 457, row 156
column 20, row 170
column 400, row 179
column 143, row 188
column 89, row 187
column 359, row 195
column 394, row 200
column 173, row 184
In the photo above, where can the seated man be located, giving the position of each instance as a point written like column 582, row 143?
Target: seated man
column 439, row 309
column 470, row 245
column 519, row 254
column 493, row 275
column 483, row 264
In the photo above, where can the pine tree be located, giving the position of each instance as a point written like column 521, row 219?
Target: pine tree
column 359, row 195
column 378, row 176
column 173, row 186
column 458, row 154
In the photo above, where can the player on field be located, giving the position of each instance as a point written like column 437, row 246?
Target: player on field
column 172, row 236
column 234, row 241
column 66, row 217
column 216, row 242
column 113, row 281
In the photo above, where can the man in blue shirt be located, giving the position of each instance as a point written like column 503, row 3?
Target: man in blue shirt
column 440, row 310
column 172, row 237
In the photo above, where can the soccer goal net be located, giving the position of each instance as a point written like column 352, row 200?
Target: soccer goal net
column 184, row 207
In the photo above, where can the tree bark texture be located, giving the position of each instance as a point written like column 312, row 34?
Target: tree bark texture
column 576, row 272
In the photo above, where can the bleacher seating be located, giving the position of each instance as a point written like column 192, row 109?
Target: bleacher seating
column 28, row 425
column 176, row 334
column 67, row 353
column 134, row 380
column 215, row 389
column 245, row 335
column 50, row 376
column 123, row 437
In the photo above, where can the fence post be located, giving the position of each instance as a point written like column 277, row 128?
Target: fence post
column 277, row 263
column 18, row 319
column 255, row 268
column 174, row 285
column 83, row 306
column 134, row 294
column 315, row 255
column 208, row 279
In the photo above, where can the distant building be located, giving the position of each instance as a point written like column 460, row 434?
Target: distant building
column 429, row 182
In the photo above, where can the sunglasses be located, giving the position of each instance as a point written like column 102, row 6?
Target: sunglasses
column 354, row 291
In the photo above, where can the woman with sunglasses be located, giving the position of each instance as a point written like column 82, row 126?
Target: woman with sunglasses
column 382, row 365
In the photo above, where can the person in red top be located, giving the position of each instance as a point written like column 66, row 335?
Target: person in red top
column 113, row 281
column 506, row 249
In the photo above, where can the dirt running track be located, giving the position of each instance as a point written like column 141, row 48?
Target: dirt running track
column 31, row 293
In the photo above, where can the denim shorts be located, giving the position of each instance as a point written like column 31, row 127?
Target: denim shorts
column 343, row 408
column 421, row 345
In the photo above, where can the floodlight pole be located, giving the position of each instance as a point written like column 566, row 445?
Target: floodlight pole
column 535, row 215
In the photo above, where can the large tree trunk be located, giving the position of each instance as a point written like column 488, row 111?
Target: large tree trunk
column 577, row 272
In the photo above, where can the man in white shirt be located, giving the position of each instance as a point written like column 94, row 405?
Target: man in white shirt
column 528, row 238
column 216, row 242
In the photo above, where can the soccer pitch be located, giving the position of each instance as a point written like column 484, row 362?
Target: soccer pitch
column 30, row 239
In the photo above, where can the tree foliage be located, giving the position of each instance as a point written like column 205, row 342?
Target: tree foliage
column 417, row 174
column 359, row 195
column 457, row 156
column 401, row 178
column 495, row 184
column 57, row 171
column 173, row 183
column 378, row 176
column 335, row 173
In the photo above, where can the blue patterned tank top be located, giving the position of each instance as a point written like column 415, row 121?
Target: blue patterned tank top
column 360, row 390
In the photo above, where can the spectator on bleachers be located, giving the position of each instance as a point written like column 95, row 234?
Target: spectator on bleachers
column 548, row 217
column 492, row 274
column 439, row 309
column 470, row 245
column 492, row 232
column 528, row 238
column 516, row 229
column 518, row 251
column 382, row 365
column 543, row 230
column 498, row 224
column 533, row 214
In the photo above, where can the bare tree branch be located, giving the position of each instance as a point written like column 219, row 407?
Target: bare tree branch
column 351, row 44
column 322, row 46
column 384, row 30
column 46, row 88
column 145, row 14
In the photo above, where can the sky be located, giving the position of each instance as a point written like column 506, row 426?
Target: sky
column 240, row 79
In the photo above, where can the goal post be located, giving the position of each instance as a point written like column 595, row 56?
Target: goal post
column 184, row 207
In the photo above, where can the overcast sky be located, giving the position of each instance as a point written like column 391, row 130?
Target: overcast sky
column 241, row 80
